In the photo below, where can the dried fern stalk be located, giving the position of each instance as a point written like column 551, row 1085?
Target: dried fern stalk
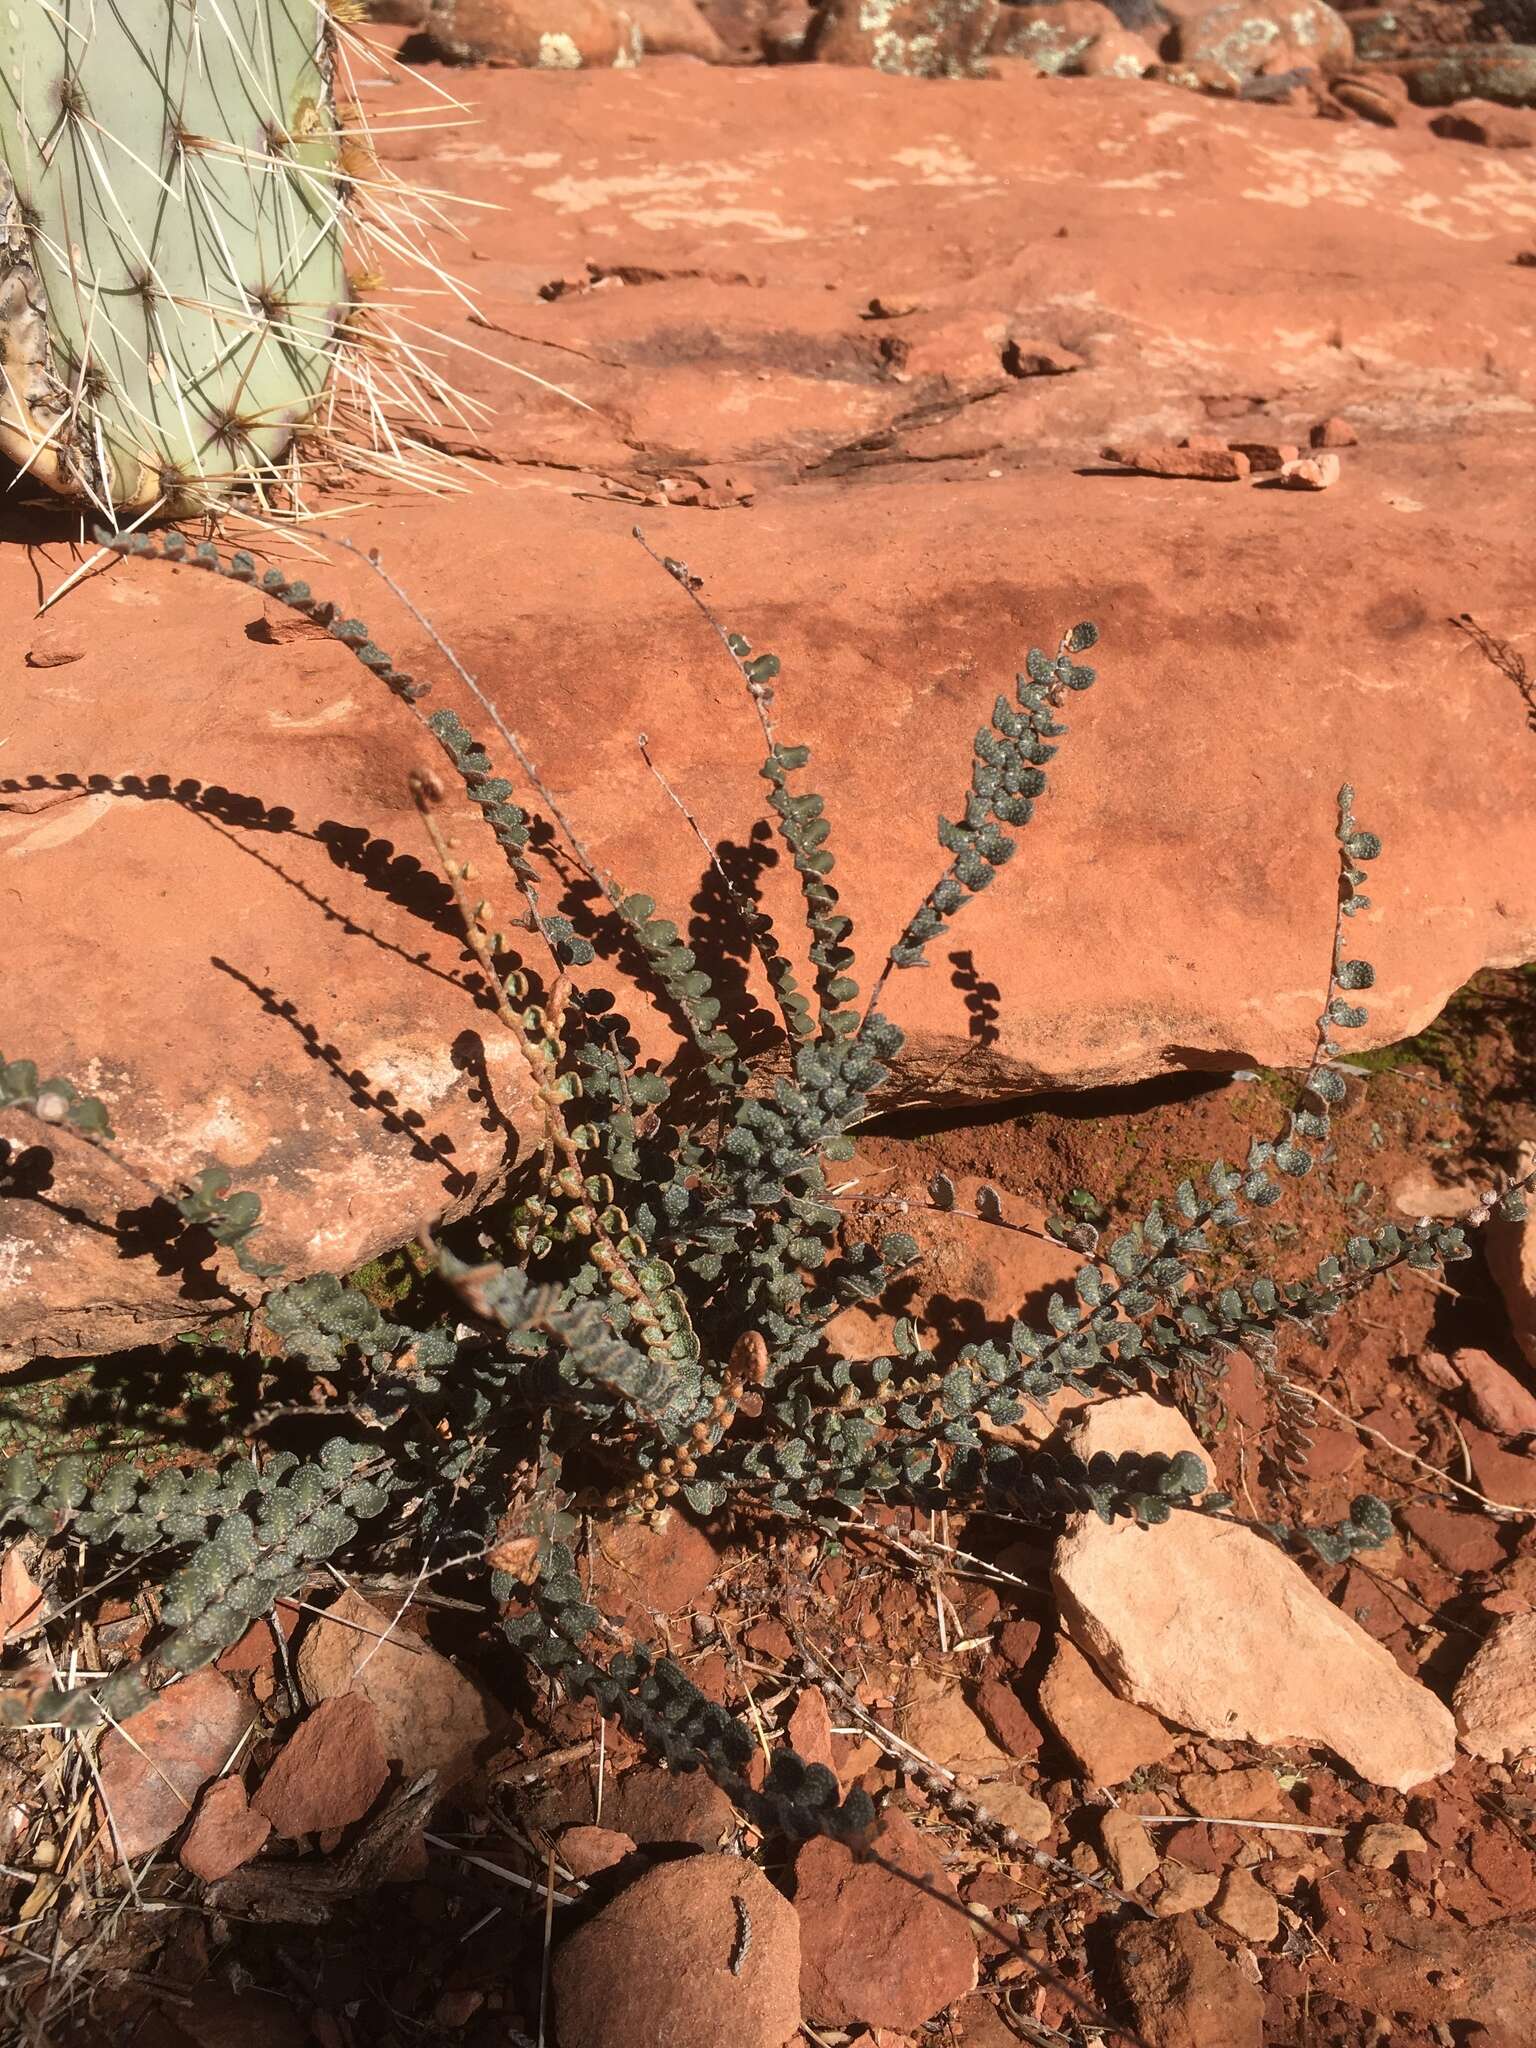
column 187, row 203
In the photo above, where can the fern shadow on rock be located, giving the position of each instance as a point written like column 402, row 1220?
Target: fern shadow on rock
column 395, row 1117
column 983, row 999
column 398, row 877
column 181, row 1251
column 153, row 1230
column 717, row 935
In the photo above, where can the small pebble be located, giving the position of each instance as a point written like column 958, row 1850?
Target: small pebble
column 1215, row 464
column 1310, row 473
column 1378, row 1845
column 1333, row 433
column 1265, row 457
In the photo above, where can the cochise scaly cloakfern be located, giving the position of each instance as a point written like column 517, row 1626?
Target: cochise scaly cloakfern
column 648, row 1323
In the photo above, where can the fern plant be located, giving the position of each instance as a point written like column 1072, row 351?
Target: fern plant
column 231, row 1220
column 648, row 1323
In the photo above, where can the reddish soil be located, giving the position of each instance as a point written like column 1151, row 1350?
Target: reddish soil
column 1419, row 1954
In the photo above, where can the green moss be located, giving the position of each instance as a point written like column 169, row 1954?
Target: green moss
column 391, row 1278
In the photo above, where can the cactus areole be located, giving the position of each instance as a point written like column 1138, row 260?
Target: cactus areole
column 172, row 281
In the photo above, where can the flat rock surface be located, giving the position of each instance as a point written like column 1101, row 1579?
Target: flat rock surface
column 329, row 1772
column 1110, row 1737
column 224, row 1833
column 823, row 327
column 1437, row 1971
column 1181, row 1991
column 877, row 1947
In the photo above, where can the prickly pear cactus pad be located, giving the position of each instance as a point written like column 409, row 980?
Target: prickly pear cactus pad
column 173, row 283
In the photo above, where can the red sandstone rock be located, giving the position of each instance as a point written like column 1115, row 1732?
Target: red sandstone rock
column 1334, row 1452
column 937, row 1722
column 1006, row 1719
column 1241, row 1794
column 1117, row 54
column 1496, row 1398
column 977, row 2023
column 1001, row 1270
column 668, row 1961
column 1376, row 96
column 1378, row 1845
column 874, row 1948
column 586, row 1851
column 1310, row 473
column 1438, row 1971
column 1247, row 1908
column 1110, row 1737
column 1242, row 36
column 1028, row 357
column 675, row 28
column 1182, row 1889
column 151, row 1769
column 657, row 1806
column 1029, row 1818
column 1493, row 126
column 224, row 1833
column 1333, row 433
column 642, row 1569
column 53, row 646
column 430, row 1715
column 1264, row 457
column 1504, row 73
column 739, row 25
column 1195, row 267
column 1214, row 80
column 1462, row 1538
column 1182, row 1992
column 552, row 35
column 786, row 32
column 23, row 1603
column 912, row 38
column 1133, row 1595
column 1017, row 1642
column 1508, row 1477
column 1127, row 1847
column 1201, row 465
column 328, row 1773
column 769, row 1638
column 1439, row 1372
column 810, row 1728
column 1197, row 1847
column 1055, row 36
column 257, row 1648
column 1496, row 1695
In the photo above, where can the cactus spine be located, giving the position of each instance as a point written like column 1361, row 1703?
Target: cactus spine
column 177, row 206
